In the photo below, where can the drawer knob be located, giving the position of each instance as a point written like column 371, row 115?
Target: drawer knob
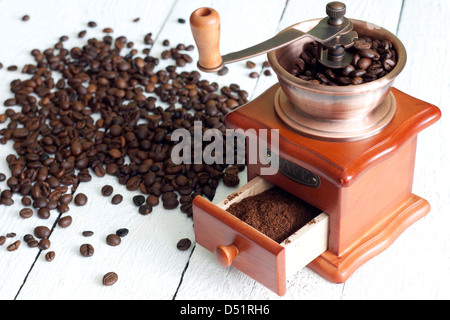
column 226, row 254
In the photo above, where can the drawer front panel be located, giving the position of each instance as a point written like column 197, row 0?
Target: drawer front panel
column 258, row 256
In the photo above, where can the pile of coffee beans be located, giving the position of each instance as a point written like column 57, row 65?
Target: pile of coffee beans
column 104, row 109
column 372, row 59
column 85, row 110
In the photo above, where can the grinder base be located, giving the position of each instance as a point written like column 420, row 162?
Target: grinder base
column 338, row 269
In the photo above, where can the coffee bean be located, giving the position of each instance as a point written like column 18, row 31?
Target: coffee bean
column 138, row 200
column 367, row 54
column 110, row 278
column 184, row 244
column 44, row 244
column 361, row 44
column 122, row 232
column 41, row 232
column 81, row 34
column 87, row 233
column 65, row 222
column 113, row 240
column 10, row 234
column 145, row 209
column 63, row 208
column 364, row 63
column 14, row 246
column 44, row 213
column 152, row 200
column 2, row 240
column 26, row 213
column 81, row 199
column 231, row 180
column 87, row 250
column 33, row 243
column 254, row 75
column 66, row 198
column 92, row 24
column 250, row 64
column 107, row 190
column 50, row 256
column 26, row 17
column 223, row 71
column 170, row 203
column 116, row 199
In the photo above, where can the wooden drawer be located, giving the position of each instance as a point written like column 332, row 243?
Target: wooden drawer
column 236, row 243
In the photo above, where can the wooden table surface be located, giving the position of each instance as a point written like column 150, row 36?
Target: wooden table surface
column 416, row 266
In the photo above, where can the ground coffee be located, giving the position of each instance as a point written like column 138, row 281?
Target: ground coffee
column 274, row 212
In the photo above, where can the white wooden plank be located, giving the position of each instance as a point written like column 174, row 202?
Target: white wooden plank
column 68, row 276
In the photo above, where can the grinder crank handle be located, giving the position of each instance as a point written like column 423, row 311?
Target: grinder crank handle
column 205, row 26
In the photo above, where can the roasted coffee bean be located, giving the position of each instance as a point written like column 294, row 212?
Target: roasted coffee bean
column 122, row 232
column 14, row 246
column 66, row 198
column 80, row 199
column 110, row 278
column 250, row 64
column 63, row 208
column 26, row 213
column 44, row 244
column 364, row 63
column 152, row 200
column 81, row 34
column 113, row 240
column 65, row 222
column 28, row 237
column 223, row 71
column 2, row 240
column 26, row 17
column 184, row 244
column 87, row 233
column 388, row 64
column 10, row 234
column 87, row 250
column 231, row 180
column 170, row 203
column 33, row 243
column 50, row 256
column 107, row 190
column 44, row 213
column 138, row 200
column 116, row 199
column 145, row 209
column 367, row 54
column 41, row 232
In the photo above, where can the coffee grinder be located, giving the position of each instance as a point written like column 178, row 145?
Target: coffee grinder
column 347, row 150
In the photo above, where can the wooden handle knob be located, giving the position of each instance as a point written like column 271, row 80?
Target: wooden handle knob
column 226, row 254
column 205, row 26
